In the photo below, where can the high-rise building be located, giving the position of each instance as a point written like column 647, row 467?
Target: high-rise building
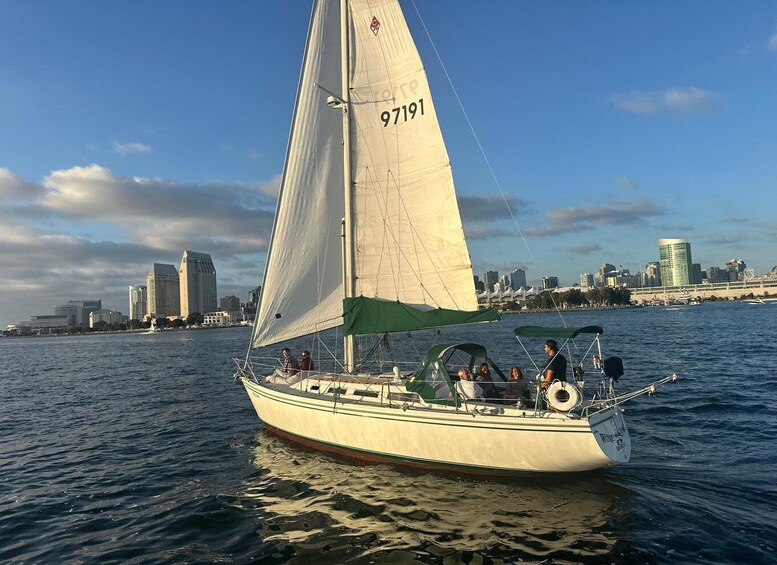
column 504, row 281
column 587, row 280
column 479, row 286
column 675, row 258
column 549, row 282
column 490, row 278
column 137, row 302
column 163, row 295
column 652, row 274
column 198, row 283
column 736, row 269
column 229, row 304
column 518, row 279
column 696, row 277
column 600, row 278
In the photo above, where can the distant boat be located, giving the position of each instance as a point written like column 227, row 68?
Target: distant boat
column 368, row 238
column 758, row 300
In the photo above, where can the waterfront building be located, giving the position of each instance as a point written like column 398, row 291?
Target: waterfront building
column 218, row 319
column 138, row 301
column 587, row 280
column 549, row 282
column 675, row 259
column 77, row 311
column 198, row 283
column 107, row 316
column 68, row 311
column 162, row 291
column 518, row 279
column 490, row 278
column 46, row 322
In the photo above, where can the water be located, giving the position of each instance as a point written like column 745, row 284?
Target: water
column 140, row 449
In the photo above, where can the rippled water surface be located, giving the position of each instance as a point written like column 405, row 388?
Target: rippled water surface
column 139, row 448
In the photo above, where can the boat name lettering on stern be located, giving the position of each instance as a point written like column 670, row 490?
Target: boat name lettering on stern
column 616, row 438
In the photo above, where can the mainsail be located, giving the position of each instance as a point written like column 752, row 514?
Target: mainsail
column 408, row 240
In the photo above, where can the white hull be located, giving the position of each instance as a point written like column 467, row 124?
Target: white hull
column 513, row 440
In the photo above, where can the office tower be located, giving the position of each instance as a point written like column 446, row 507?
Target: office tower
column 736, row 269
column 198, row 283
column 696, row 273
column 490, row 278
column 504, row 281
column 717, row 275
column 652, row 274
column 518, row 279
column 675, row 259
column 163, row 294
column 600, row 278
column 137, row 302
column 479, row 286
column 253, row 296
column 229, row 304
column 587, row 280
column 549, row 282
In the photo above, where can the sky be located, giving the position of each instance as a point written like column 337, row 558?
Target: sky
column 133, row 130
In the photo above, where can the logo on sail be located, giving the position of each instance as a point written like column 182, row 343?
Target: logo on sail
column 375, row 25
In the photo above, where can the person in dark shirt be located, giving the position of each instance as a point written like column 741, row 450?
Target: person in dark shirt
column 307, row 362
column 556, row 369
column 516, row 388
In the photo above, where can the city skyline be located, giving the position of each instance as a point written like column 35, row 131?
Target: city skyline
column 110, row 163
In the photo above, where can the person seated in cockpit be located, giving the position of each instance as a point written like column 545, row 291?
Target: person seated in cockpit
column 466, row 387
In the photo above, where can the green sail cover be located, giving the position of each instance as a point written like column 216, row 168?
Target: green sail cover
column 363, row 315
column 568, row 333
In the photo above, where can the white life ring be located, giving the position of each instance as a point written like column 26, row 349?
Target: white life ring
column 563, row 396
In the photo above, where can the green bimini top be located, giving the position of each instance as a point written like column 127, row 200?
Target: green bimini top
column 566, row 333
column 362, row 315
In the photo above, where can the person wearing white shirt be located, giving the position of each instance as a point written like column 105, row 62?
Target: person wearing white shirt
column 467, row 388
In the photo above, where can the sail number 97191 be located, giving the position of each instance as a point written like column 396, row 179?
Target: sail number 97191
column 405, row 112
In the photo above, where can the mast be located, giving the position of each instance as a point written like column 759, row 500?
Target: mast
column 348, row 248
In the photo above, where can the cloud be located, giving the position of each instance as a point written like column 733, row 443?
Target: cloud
column 585, row 218
column 679, row 100
column 129, row 148
column 86, row 232
column 12, row 186
column 487, row 232
column 272, row 188
column 583, row 249
column 626, row 183
column 772, row 44
column 489, row 208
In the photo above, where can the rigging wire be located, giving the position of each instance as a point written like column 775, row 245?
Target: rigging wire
column 485, row 158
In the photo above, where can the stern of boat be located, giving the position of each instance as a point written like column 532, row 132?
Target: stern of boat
column 612, row 435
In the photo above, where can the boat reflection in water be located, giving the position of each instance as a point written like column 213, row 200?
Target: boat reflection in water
column 308, row 503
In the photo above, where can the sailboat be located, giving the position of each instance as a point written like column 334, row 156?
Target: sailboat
column 368, row 239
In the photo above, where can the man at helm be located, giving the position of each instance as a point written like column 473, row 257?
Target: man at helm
column 556, row 369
